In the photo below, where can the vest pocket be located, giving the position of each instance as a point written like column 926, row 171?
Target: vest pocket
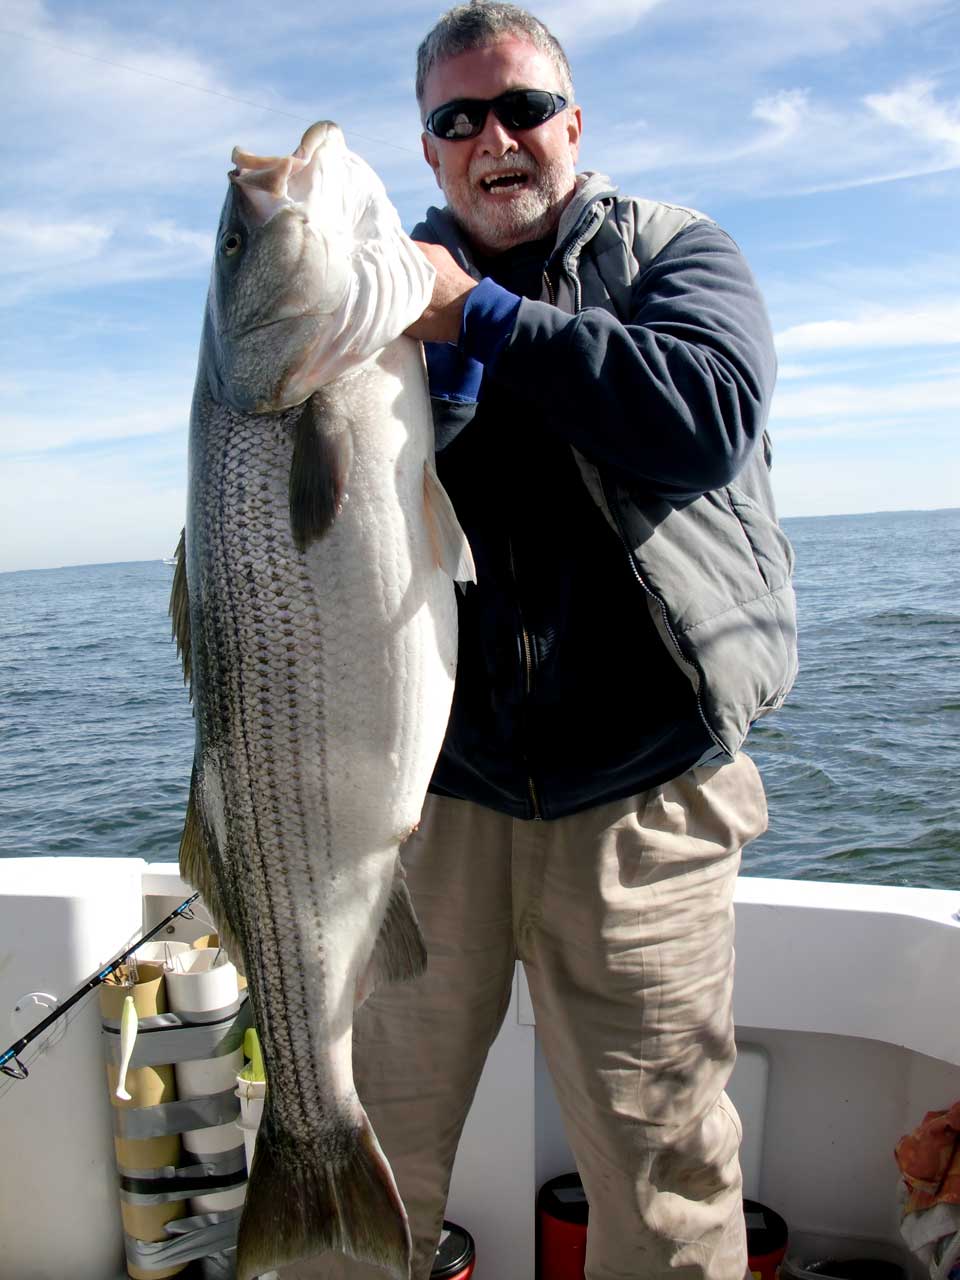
column 769, row 544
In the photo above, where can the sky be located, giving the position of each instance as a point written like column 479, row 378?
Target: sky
column 823, row 136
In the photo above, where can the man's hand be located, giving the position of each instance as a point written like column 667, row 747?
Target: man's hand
column 441, row 320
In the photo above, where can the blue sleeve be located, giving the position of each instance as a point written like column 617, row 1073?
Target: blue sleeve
column 676, row 397
column 490, row 313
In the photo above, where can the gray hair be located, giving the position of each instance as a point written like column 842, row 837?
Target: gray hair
column 480, row 23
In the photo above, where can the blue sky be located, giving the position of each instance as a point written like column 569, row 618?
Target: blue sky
column 824, row 136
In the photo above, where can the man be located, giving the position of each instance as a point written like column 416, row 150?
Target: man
column 601, row 370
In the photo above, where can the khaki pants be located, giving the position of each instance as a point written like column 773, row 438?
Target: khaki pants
column 623, row 918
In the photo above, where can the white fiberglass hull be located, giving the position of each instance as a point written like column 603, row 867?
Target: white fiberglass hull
column 848, row 1026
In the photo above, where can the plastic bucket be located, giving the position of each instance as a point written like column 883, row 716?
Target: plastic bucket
column 562, row 1214
column 766, row 1240
column 202, row 982
column 456, row 1256
column 160, row 952
column 843, row 1269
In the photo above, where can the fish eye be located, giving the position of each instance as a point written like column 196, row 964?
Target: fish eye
column 230, row 243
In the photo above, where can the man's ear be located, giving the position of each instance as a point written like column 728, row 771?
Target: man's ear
column 430, row 154
column 574, row 130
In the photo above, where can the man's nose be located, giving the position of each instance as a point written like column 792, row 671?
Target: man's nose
column 495, row 138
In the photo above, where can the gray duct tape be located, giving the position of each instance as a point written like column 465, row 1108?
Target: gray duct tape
column 160, row 1021
column 171, row 1040
column 218, row 1233
column 214, row 1163
column 176, row 1117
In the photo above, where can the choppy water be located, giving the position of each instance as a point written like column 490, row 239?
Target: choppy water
column 861, row 766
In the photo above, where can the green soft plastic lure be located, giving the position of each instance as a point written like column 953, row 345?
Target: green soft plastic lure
column 253, row 1071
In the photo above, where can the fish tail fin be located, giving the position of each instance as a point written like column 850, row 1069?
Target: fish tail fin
column 300, row 1203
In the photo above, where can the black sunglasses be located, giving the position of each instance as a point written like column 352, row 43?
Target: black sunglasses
column 516, row 109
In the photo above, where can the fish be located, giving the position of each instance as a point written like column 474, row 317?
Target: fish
column 314, row 608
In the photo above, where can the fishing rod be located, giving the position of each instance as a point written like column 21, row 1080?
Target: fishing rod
column 17, row 1070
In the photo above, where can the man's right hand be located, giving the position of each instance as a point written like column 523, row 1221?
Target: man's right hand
column 442, row 319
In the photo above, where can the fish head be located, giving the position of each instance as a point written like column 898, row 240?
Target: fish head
column 312, row 274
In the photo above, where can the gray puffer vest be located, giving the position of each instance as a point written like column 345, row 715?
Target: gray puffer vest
column 717, row 568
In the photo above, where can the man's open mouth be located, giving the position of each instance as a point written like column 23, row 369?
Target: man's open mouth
column 511, row 181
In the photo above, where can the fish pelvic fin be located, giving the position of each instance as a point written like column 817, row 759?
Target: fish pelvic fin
column 451, row 550
column 400, row 952
column 300, row 1203
column 180, row 610
column 318, row 475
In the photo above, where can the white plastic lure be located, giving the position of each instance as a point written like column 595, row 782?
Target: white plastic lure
column 128, row 1034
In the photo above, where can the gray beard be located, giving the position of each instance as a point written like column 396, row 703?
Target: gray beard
column 530, row 217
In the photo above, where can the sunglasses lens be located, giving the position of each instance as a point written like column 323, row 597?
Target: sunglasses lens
column 458, row 119
column 527, row 108
column 518, row 109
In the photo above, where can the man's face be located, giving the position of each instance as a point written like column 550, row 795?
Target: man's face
column 496, row 208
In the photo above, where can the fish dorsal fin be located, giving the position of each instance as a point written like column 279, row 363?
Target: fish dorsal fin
column 451, row 550
column 195, row 862
column 319, row 471
column 180, row 610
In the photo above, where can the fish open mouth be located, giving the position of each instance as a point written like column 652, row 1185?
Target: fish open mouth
column 512, row 181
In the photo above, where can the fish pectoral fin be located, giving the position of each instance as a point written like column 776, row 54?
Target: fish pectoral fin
column 197, row 869
column 180, row 610
column 300, row 1203
column 451, row 550
column 319, row 471
column 399, row 952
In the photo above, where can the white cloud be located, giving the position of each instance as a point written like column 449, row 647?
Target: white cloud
column 913, row 108
column 169, row 234
column 28, row 243
column 937, row 325
column 793, row 141
column 576, row 24
column 844, row 402
column 785, row 110
column 96, row 405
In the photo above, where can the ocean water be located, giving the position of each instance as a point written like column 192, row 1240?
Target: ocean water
column 861, row 765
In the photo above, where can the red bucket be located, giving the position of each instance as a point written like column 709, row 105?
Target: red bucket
column 562, row 1212
column 766, row 1240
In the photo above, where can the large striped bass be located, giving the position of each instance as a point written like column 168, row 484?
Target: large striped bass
column 314, row 606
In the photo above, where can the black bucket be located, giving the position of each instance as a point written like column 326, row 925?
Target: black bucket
column 844, row 1269
column 456, row 1256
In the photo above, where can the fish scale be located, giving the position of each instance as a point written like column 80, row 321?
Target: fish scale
column 314, row 606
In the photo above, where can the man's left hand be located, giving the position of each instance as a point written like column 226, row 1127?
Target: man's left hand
column 442, row 318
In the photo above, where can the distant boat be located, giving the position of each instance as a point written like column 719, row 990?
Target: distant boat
column 171, row 560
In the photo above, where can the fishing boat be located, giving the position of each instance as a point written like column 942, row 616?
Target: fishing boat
column 848, row 1031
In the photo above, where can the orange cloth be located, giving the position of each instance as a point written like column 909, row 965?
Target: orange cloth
column 929, row 1159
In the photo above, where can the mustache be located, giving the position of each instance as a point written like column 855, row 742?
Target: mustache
column 491, row 166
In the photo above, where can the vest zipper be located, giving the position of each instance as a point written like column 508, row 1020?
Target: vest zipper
column 548, row 283
column 527, row 683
